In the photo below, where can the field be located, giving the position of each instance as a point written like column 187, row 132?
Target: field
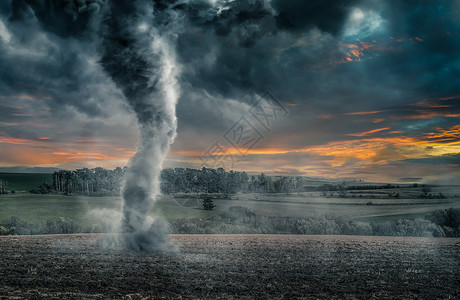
column 314, row 204
column 32, row 207
column 232, row 266
column 352, row 207
column 363, row 203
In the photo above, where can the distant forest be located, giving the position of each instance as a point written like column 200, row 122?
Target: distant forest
column 103, row 182
column 100, row 181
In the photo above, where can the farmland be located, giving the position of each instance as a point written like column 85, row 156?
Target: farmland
column 232, row 266
column 51, row 206
column 323, row 200
column 32, row 207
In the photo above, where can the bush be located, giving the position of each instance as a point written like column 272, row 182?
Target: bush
column 3, row 230
column 240, row 219
column 16, row 226
column 61, row 226
column 447, row 219
column 239, row 212
column 404, row 227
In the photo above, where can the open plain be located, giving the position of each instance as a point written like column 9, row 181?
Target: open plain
column 232, row 266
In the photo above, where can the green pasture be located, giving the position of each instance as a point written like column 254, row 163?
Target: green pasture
column 84, row 210
column 93, row 210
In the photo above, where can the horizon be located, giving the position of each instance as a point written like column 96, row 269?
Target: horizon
column 47, row 170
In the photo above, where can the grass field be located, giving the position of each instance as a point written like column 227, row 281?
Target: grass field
column 26, row 181
column 83, row 210
column 31, row 207
column 312, row 204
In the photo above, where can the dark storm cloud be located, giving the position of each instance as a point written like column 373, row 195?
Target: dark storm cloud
column 61, row 68
column 240, row 48
column 235, row 47
column 66, row 18
column 231, row 48
column 34, row 62
column 448, row 159
column 5, row 8
column 423, row 64
column 228, row 49
column 428, row 61
column 49, row 71
column 300, row 15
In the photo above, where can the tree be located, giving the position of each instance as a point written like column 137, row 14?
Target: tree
column 3, row 186
column 208, row 203
column 425, row 190
column 448, row 219
column 45, row 188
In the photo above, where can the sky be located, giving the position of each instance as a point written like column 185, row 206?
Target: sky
column 365, row 90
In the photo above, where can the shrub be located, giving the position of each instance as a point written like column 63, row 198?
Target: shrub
column 3, row 230
column 16, row 226
column 447, row 219
column 208, row 203
column 404, row 227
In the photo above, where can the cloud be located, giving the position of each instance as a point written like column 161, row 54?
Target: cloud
column 52, row 86
column 368, row 132
column 364, row 112
column 447, row 159
column 410, row 179
column 298, row 15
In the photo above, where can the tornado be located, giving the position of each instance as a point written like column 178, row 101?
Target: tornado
column 138, row 55
column 135, row 48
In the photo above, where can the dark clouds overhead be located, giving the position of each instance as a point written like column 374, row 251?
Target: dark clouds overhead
column 66, row 18
column 327, row 16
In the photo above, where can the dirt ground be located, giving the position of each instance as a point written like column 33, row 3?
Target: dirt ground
column 232, row 266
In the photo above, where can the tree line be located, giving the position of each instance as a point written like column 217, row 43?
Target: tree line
column 205, row 180
column 97, row 181
column 103, row 182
